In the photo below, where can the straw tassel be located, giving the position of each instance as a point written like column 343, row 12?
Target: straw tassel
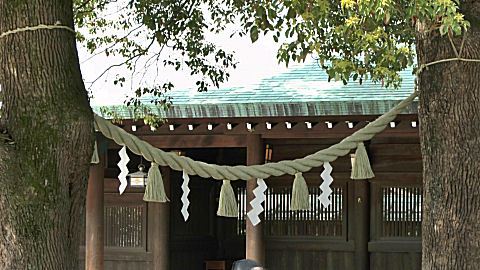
column 155, row 192
column 95, row 159
column 361, row 166
column 299, row 193
column 227, row 205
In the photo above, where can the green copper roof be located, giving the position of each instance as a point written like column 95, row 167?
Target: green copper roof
column 303, row 90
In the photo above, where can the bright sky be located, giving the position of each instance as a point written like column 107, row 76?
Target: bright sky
column 256, row 61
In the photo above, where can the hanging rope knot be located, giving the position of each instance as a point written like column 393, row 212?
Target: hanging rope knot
column 227, row 204
column 95, row 158
column 155, row 191
column 299, row 193
column 361, row 166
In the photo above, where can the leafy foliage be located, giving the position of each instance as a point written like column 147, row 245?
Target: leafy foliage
column 352, row 39
column 360, row 39
column 136, row 29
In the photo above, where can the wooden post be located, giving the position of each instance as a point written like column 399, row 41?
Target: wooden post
column 94, row 216
column 159, row 222
column 255, row 246
column 361, row 221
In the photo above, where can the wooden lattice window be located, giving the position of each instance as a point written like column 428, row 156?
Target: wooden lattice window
column 281, row 221
column 124, row 226
column 402, row 211
column 242, row 210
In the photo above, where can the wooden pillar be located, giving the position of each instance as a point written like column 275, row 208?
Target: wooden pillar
column 159, row 223
column 361, row 221
column 255, row 246
column 94, row 217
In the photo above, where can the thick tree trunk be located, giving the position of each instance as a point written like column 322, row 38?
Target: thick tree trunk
column 449, row 114
column 43, row 174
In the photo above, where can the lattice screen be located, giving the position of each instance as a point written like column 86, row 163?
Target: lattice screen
column 124, row 226
column 401, row 211
column 280, row 221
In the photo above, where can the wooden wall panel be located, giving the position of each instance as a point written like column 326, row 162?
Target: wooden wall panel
column 127, row 265
column 122, row 259
column 191, row 253
column 234, row 249
column 396, row 261
column 401, row 149
column 395, row 155
column 294, row 259
column 292, row 151
column 397, row 163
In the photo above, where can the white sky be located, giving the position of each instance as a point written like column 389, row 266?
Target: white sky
column 255, row 62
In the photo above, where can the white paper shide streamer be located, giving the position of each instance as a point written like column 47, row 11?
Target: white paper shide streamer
column 256, row 203
column 122, row 164
column 325, row 186
column 186, row 191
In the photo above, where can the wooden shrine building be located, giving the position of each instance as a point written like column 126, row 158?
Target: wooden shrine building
column 371, row 224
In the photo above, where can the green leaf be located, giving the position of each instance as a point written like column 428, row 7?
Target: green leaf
column 443, row 29
column 457, row 29
column 291, row 13
column 254, row 33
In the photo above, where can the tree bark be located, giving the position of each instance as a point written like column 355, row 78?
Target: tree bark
column 449, row 115
column 45, row 113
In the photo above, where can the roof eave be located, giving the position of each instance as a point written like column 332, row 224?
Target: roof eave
column 252, row 110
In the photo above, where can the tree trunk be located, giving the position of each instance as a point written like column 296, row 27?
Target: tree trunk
column 449, row 115
column 44, row 162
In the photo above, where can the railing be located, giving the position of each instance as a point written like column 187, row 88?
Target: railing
column 281, row 221
column 401, row 211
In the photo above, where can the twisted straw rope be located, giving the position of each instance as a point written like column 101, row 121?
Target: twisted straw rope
column 37, row 27
column 263, row 171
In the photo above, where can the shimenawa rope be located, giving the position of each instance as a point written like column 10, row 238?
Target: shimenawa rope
column 263, row 171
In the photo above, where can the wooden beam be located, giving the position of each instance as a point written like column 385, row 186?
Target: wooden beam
column 239, row 125
column 255, row 244
column 308, row 243
column 94, row 256
column 191, row 141
column 395, row 246
column 340, row 134
column 239, row 140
